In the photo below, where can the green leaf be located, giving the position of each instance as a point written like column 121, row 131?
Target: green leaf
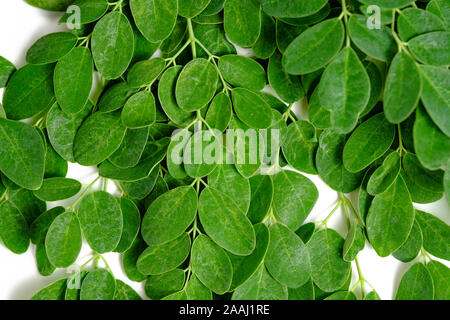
column 63, row 240
column 169, row 215
column 344, row 90
column 98, row 138
column 101, row 221
column 211, row 265
column 56, row 189
column 342, row 295
column 431, row 48
column 436, row 95
column 153, row 154
column 154, row 18
column 372, row 295
column 261, row 286
column 140, row 189
column 51, row 5
column 390, row 219
column 435, row 234
column 413, row 22
column 90, row 11
column 191, row 8
column 403, row 88
column 425, row 186
column 145, row 72
column 251, row 109
column 388, row 4
column 131, row 148
column 195, row 290
column 317, row 114
column 368, row 143
column 376, row 86
column 306, row 231
column 29, row 206
column 51, row 48
column 196, row 85
column 112, row 45
column 287, row 258
column 115, row 97
column 170, row 44
column 44, row 266
column 98, row 285
column 242, row 72
column 202, row 154
column 6, row 70
column 62, row 129
column 39, row 227
column 248, row 14
column 245, row 266
column 416, row 284
column 212, row 36
column 159, row 259
column 293, row 199
column 55, row 165
column 139, row 111
column 440, row 274
column 330, row 166
column 160, row 286
column 376, row 43
column 314, row 48
column 219, row 112
column 166, row 95
column 22, row 154
column 431, row 145
column 226, row 178
column 14, row 231
column 286, row 34
column 329, row 270
column 411, row 248
column 305, row 292
column 292, row 9
column 73, row 80
column 129, row 260
column 265, row 46
column 447, row 183
column 354, row 242
column 299, row 146
column 261, row 187
column 54, row 291
column 287, row 87
column 131, row 224
column 29, row 92
column 125, row 292
column 441, row 9
column 385, row 175
column 225, row 222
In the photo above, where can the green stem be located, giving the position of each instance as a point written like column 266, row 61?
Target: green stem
column 192, row 38
column 73, row 205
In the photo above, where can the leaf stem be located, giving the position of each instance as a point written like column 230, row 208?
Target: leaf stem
column 192, row 38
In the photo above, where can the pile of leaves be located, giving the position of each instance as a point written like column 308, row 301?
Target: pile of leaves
column 377, row 123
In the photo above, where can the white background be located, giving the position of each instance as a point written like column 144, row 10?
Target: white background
column 20, row 26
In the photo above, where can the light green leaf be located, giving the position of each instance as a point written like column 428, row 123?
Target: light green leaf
column 56, row 189
column 211, row 265
column 196, row 85
column 73, row 80
column 329, row 270
column 225, row 222
column 403, row 88
column 98, row 285
column 242, row 21
column 159, row 259
column 411, row 248
column 293, row 199
column 435, row 234
column 112, row 45
column 169, row 215
column 287, row 258
column 385, row 175
column 22, row 154
column 432, row 48
column 101, row 221
column 242, row 72
column 390, row 219
column 125, row 292
column 414, row 21
column 314, row 48
column 368, row 143
column 416, row 284
column 63, row 240
column 98, row 138
column 54, row 291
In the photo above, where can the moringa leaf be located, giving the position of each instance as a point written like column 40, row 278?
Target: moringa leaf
column 51, row 48
column 63, row 240
column 251, row 109
column 131, row 224
column 101, row 221
column 435, row 234
column 160, row 286
column 242, row 72
column 56, row 189
column 354, row 242
column 292, row 9
column 414, row 21
column 22, row 154
column 112, row 45
column 225, row 223
column 385, row 175
column 14, row 231
column 411, row 248
column 440, row 274
column 261, row 187
column 248, row 13
column 390, row 219
column 416, row 284
column 431, row 48
column 139, row 111
column 98, row 285
column 145, row 72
